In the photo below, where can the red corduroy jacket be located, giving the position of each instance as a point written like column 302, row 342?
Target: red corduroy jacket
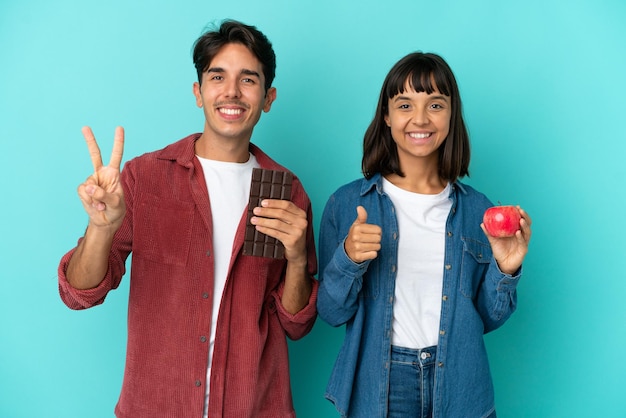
column 168, row 230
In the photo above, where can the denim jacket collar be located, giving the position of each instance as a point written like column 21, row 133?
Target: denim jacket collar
column 377, row 181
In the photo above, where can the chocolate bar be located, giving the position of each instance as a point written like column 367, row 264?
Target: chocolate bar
column 266, row 184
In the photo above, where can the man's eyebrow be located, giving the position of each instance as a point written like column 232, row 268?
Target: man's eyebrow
column 250, row 72
column 243, row 71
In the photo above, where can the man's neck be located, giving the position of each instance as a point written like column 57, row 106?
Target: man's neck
column 230, row 150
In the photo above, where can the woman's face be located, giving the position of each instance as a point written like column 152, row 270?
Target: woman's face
column 419, row 124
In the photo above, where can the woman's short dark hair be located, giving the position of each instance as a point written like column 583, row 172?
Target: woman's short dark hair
column 230, row 31
column 424, row 72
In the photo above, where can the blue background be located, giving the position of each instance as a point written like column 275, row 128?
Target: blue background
column 543, row 87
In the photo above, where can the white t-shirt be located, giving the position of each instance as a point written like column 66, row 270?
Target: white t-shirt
column 229, row 188
column 419, row 281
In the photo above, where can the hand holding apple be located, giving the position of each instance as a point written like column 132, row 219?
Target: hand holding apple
column 502, row 221
column 501, row 225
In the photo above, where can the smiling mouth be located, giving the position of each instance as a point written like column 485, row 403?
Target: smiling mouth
column 230, row 112
column 419, row 135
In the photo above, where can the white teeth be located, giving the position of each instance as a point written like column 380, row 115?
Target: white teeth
column 231, row 111
column 419, row 136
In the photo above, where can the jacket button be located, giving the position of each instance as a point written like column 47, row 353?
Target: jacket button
column 448, row 266
column 445, row 298
column 198, row 383
column 205, row 295
column 449, row 233
column 203, row 339
column 442, row 332
column 208, row 253
column 440, row 364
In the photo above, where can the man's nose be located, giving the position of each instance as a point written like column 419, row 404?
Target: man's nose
column 232, row 89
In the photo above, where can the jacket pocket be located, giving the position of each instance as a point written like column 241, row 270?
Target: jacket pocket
column 162, row 229
column 475, row 260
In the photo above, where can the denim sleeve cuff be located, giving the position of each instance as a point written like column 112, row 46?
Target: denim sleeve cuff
column 345, row 264
column 505, row 282
column 342, row 276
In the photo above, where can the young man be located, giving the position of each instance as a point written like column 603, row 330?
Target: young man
column 206, row 323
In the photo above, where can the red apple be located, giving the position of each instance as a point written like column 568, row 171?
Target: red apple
column 502, row 221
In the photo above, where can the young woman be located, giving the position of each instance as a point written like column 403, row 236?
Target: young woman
column 406, row 264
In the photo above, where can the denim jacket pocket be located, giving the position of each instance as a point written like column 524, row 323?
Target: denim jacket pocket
column 474, row 264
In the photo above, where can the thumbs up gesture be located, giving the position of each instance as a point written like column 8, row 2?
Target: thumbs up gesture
column 363, row 241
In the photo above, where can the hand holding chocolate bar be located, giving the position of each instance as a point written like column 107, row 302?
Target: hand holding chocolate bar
column 275, row 226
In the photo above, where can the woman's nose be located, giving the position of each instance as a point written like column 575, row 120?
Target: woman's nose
column 420, row 117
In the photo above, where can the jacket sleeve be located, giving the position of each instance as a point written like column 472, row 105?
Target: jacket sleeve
column 300, row 324
column 122, row 243
column 341, row 279
column 83, row 299
column 497, row 297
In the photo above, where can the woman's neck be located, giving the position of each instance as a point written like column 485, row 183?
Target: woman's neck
column 419, row 180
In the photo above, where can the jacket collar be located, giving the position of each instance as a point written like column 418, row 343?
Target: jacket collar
column 184, row 152
column 376, row 181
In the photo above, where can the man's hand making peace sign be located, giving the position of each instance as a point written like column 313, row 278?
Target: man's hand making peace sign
column 101, row 193
column 103, row 200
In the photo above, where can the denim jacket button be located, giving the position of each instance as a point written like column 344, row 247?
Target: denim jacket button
column 448, row 266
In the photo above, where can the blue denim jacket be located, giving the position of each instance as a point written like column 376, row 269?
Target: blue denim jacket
column 477, row 298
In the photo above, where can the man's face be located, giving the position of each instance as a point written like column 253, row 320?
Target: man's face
column 233, row 94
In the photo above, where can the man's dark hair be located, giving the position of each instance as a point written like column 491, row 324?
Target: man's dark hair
column 230, row 31
column 423, row 72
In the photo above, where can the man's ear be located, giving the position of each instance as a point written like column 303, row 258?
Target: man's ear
column 270, row 96
column 196, row 93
